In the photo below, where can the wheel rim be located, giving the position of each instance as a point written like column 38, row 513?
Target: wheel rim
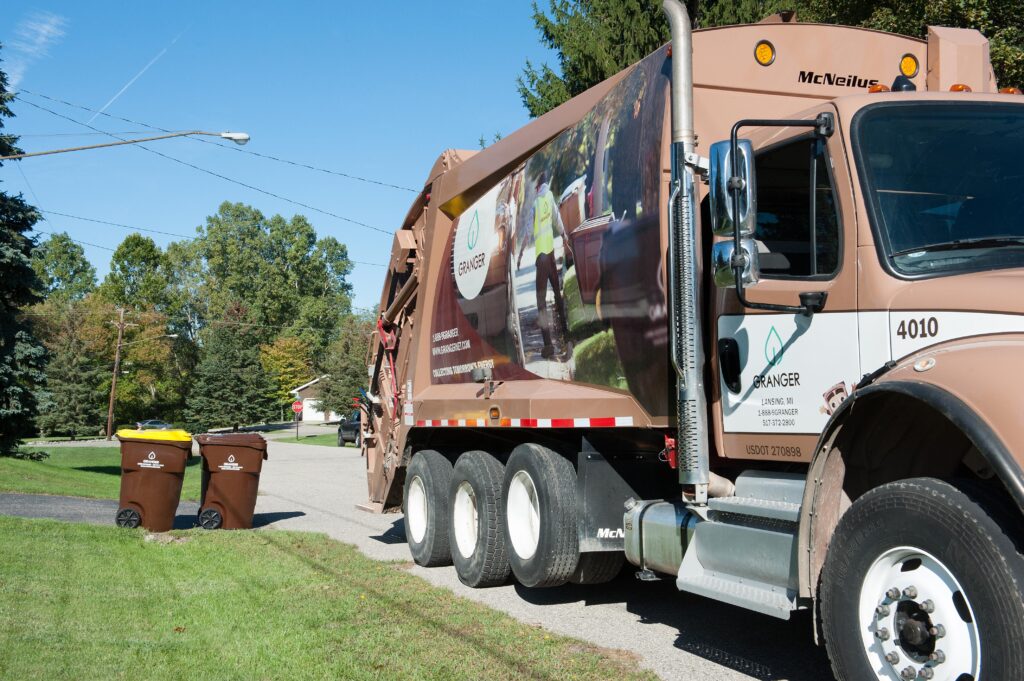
column 916, row 620
column 465, row 519
column 416, row 510
column 523, row 511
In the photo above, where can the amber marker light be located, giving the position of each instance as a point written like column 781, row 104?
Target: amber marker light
column 960, row 87
column 909, row 66
column 764, row 53
column 878, row 88
column 494, row 413
column 1010, row 91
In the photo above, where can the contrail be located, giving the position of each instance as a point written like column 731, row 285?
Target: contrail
column 137, row 76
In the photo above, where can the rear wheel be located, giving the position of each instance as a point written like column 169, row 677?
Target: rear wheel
column 128, row 517
column 539, row 495
column 919, row 582
column 426, row 508
column 210, row 519
column 477, row 526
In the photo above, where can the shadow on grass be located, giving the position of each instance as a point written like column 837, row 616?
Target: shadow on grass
column 264, row 519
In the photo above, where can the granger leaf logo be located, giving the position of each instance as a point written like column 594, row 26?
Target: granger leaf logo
column 773, row 348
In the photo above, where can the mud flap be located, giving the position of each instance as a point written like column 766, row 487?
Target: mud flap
column 600, row 496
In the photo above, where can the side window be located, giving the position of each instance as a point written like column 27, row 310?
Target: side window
column 794, row 184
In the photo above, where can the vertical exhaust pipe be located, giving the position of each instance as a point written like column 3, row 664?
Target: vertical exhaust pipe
column 684, row 269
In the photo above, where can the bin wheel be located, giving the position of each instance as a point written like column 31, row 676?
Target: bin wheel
column 210, row 519
column 128, row 517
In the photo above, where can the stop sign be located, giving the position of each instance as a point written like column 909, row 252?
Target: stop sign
column 296, row 406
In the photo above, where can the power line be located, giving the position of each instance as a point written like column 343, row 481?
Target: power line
column 83, row 243
column 224, row 146
column 210, row 172
column 153, row 231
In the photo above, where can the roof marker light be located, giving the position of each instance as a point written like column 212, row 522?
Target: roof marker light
column 960, row 87
column 878, row 87
column 909, row 66
column 764, row 53
column 1010, row 91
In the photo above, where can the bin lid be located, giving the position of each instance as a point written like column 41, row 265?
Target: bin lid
column 165, row 435
column 253, row 440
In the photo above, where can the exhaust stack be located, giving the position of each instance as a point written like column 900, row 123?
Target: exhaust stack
column 684, row 267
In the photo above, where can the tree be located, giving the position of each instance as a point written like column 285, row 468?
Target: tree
column 288, row 363
column 137, row 277
column 230, row 386
column 21, row 356
column 345, row 365
column 63, row 269
column 75, row 398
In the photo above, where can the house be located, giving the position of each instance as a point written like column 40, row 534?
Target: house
column 309, row 395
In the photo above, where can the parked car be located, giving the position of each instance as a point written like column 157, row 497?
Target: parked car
column 153, row 424
column 348, row 430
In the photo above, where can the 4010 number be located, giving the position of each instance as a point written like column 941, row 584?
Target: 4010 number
column 926, row 327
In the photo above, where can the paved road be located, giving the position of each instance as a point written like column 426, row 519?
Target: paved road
column 679, row 636
column 79, row 510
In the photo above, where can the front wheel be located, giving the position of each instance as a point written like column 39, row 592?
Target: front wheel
column 920, row 583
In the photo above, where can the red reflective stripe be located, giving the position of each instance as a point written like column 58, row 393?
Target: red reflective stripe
column 605, row 422
column 563, row 423
column 528, row 423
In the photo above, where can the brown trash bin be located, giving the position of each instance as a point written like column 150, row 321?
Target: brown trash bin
column 152, row 470
column 231, row 477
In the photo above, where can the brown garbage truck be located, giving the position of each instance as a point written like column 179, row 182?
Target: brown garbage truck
column 778, row 367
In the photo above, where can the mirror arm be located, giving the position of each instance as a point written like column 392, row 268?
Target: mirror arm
column 823, row 126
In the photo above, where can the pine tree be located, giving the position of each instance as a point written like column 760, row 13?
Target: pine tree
column 74, row 397
column 230, row 386
column 21, row 357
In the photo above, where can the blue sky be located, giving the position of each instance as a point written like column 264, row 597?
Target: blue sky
column 350, row 87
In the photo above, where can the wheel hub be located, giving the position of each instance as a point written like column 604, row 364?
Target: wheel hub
column 911, row 604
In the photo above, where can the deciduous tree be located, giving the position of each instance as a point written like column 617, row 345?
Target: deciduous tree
column 63, row 269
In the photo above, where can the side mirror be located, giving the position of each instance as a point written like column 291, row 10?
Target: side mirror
column 722, row 265
column 723, row 221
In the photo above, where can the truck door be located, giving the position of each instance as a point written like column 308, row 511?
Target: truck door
column 781, row 375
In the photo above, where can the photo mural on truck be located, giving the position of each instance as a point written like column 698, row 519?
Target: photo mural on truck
column 557, row 271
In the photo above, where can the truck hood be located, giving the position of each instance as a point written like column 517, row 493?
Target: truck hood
column 996, row 291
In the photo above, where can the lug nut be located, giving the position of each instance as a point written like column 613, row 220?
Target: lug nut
column 938, row 631
column 926, row 673
column 938, row 657
column 882, row 634
column 882, row 611
column 910, row 592
column 908, row 673
column 928, row 606
column 892, row 594
column 892, row 658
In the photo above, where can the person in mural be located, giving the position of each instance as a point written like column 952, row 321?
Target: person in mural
column 545, row 219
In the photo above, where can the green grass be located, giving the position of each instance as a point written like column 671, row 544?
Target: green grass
column 324, row 440
column 79, row 472
column 597, row 361
column 87, row 602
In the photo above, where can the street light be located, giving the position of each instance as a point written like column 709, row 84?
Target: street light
column 239, row 138
column 117, row 366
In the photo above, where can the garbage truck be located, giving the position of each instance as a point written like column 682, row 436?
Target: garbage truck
column 748, row 316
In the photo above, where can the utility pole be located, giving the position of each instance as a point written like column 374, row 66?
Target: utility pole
column 117, row 369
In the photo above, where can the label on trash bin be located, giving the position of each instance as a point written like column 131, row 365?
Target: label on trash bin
column 230, row 465
column 151, row 462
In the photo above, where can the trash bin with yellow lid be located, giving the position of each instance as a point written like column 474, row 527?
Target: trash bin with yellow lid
column 152, row 470
column 231, row 478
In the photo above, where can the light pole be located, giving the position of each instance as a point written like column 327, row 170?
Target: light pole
column 117, row 365
column 236, row 137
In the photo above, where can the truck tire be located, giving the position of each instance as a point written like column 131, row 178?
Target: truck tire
column 477, row 529
column 425, row 505
column 597, row 567
column 539, row 495
column 918, row 576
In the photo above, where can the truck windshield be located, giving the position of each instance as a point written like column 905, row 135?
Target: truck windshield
column 943, row 183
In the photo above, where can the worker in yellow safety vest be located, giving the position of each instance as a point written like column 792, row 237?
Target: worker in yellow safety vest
column 545, row 218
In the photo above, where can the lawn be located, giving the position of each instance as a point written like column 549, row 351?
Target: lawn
column 324, row 440
column 81, row 601
column 79, row 472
